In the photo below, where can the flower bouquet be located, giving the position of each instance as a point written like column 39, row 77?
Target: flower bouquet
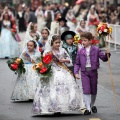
column 74, row 21
column 15, row 33
column 77, row 40
column 16, row 65
column 37, row 37
column 43, row 68
column 14, row 30
column 103, row 30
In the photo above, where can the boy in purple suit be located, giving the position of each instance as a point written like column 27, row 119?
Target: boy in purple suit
column 87, row 60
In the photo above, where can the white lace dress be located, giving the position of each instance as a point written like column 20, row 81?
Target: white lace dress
column 8, row 45
column 28, row 37
column 26, row 84
column 59, row 93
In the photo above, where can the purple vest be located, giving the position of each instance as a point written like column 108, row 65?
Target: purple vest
column 95, row 54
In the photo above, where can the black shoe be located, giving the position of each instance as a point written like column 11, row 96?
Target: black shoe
column 30, row 100
column 57, row 113
column 94, row 109
column 6, row 57
column 87, row 112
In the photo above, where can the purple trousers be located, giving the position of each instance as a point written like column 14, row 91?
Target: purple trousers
column 89, row 81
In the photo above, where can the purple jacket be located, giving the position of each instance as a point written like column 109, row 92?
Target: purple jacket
column 95, row 54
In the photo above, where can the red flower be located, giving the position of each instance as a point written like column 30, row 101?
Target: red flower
column 95, row 42
column 74, row 20
column 40, row 49
column 43, row 70
column 80, row 41
column 13, row 30
column 47, row 58
column 13, row 21
column 14, row 66
column 14, row 26
column 102, row 28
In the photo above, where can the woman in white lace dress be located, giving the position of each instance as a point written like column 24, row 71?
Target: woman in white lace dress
column 26, row 83
column 81, row 27
column 71, row 20
column 60, row 92
column 55, row 27
column 9, row 47
column 45, row 33
column 32, row 33
column 40, row 18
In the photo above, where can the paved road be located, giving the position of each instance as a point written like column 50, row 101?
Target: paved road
column 10, row 110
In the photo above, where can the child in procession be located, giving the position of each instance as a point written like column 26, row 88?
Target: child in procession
column 68, row 45
column 26, row 84
column 87, row 61
column 58, row 93
column 68, row 37
column 44, row 38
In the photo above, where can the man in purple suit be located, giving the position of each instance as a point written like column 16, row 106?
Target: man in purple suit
column 87, row 61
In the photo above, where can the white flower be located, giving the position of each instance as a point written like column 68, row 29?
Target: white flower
column 105, row 30
column 100, row 31
column 108, row 25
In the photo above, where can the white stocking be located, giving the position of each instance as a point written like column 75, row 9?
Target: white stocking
column 87, row 99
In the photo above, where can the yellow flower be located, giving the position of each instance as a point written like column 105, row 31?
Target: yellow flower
column 75, row 42
column 76, row 37
column 37, row 66
column 110, row 30
column 97, row 29
column 40, row 65
column 101, row 24
column 34, row 67
column 18, row 60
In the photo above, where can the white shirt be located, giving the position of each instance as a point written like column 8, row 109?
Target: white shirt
column 88, row 64
column 20, row 14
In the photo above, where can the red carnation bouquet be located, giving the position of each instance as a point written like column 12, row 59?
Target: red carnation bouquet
column 14, row 30
column 104, row 29
column 74, row 20
column 16, row 65
column 44, row 66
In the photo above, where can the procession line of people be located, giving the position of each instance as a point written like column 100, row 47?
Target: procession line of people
column 60, row 92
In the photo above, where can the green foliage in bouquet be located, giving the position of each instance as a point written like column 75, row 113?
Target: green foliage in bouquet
column 43, row 68
column 16, row 65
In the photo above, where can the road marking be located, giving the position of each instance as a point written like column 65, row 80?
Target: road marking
column 94, row 119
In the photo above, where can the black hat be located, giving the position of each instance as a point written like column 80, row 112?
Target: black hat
column 67, row 34
column 62, row 19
